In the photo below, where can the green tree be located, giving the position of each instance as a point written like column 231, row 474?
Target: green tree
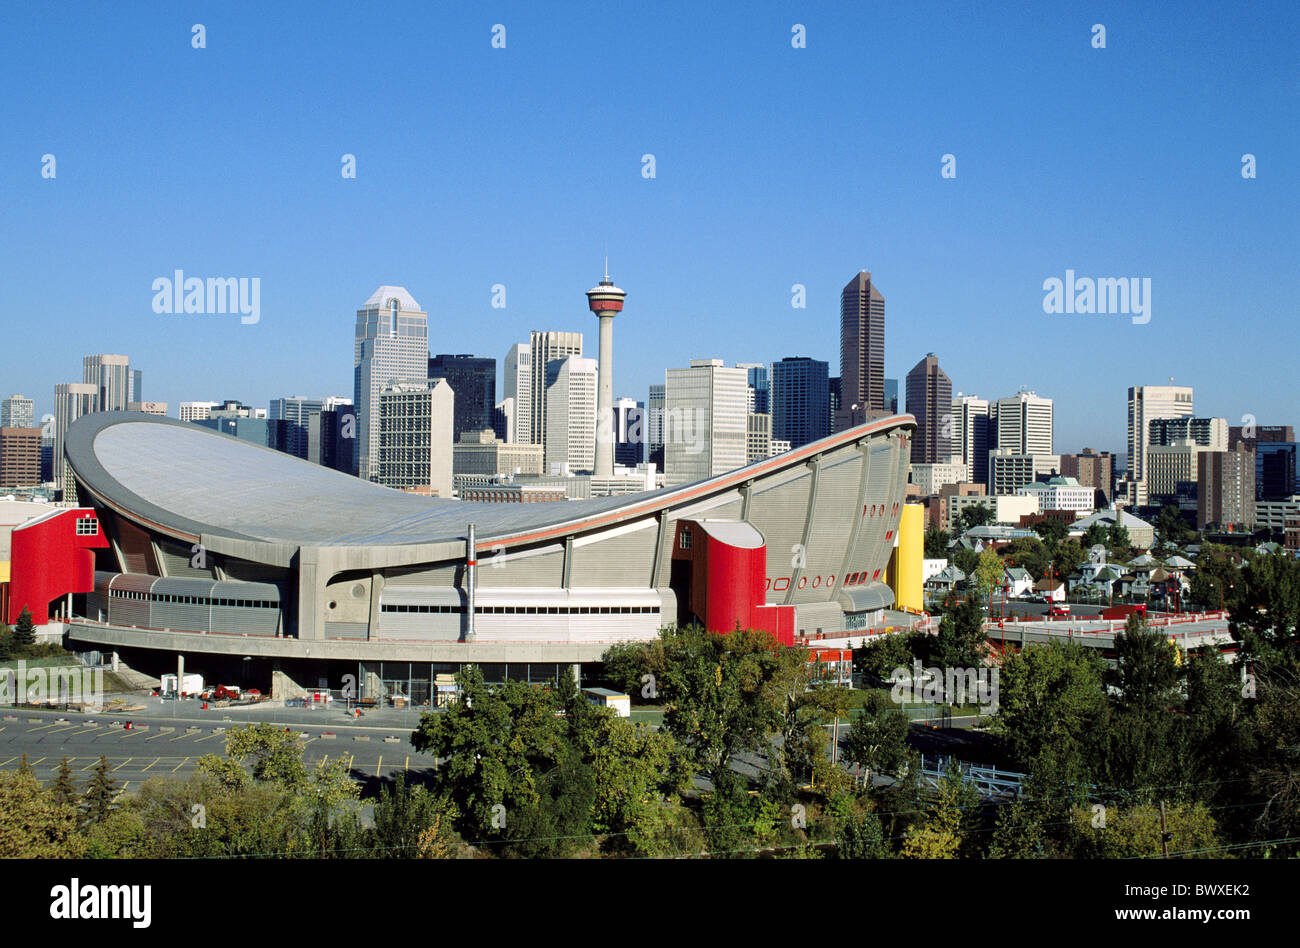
column 1030, row 554
column 499, row 743
column 63, row 788
column 1118, row 542
column 1146, row 672
column 403, row 814
column 33, row 825
column 1097, row 535
column 976, row 515
column 1069, row 556
column 988, row 572
column 1135, row 832
column 961, row 640
column 1052, row 532
column 99, row 798
column 1217, row 579
column 877, row 738
column 936, row 544
column 24, row 635
column 721, row 698
column 1265, row 614
column 878, row 658
column 1050, row 701
column 943, row 831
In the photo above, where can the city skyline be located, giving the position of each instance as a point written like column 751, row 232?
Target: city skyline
column 752, row 184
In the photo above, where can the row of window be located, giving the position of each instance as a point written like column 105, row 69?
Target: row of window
column 191, row 600
column 856, row 579
column 526, row 610
column 87, row 527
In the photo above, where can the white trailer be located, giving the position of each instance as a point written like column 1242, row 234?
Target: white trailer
column 192, row 685
column 606, row 698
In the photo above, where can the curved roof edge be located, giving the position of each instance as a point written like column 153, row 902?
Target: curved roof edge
column 537, row 522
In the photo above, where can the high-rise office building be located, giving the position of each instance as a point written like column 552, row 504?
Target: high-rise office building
column 970, row 432
column 759, row 437
column 834, row 390
column 1226, row 488
column 330, row 436
column 391, row 342
column 71, row 401
column 548, row 350
column 862, row 352
column 196, row 411
column 891, row 396
column 759, row 387
column 473, row 379
column 705, row 420
column 414, row 443
column 1254, row 434
column 1210, row 433
column 503, row 420
column 20, row 457
column 929, row 401
column 137, row 386
column 800, row 400
column 1091, row 469
column 111, row 376
column 654, row 435
column 517, row 383
column 1024, row 424
column 1145, row 403
column 570, row 425
column 296, row 411
column 1277, row 470
column 18, row 411
column 629, row 432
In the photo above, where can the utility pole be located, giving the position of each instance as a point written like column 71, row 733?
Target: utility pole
column 1164, row 832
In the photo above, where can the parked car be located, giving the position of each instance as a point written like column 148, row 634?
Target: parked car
column 1058, row 609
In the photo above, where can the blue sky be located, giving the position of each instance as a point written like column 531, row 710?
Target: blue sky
column 774, row 166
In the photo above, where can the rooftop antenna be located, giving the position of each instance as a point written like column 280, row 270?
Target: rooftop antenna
column 607, row 268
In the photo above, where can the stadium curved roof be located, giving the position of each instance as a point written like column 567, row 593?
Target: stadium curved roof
column 188, row 480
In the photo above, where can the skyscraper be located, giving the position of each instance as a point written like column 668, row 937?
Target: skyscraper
column 800, row 400
column 111, row 376
column 548, row 350
column 296, row 411
column 571, row 416
column 20, row 457
column 759, row 387
column 970, row 429
column 891, row 396
column 629, row 432
column 1024, row 424
column 1146, row 402
column 862, row 352
column 474, row 381
column 71, row 401
column 414, row 443
column 518, row 385
column 654, row 433
column 705, row 421
column 929, row 400
column 391, row 342
column 18, row 411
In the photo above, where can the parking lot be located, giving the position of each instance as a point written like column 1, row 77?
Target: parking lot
column 157, row 746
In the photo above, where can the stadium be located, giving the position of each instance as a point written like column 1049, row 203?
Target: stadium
column 265, row 568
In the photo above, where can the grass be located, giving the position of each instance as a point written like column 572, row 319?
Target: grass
column 53, row 661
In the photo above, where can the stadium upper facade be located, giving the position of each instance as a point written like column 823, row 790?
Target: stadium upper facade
column 213, row 546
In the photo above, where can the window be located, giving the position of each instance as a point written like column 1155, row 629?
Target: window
column 87, row 527
column 684, row 540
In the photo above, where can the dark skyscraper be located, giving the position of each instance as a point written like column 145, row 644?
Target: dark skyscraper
column 473, row 381
column 862, row 352
column 891, row 396
column 834, row 387
column 800, row 400
column 929, row 400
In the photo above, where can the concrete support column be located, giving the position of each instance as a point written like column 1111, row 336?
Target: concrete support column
column 605, row 400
